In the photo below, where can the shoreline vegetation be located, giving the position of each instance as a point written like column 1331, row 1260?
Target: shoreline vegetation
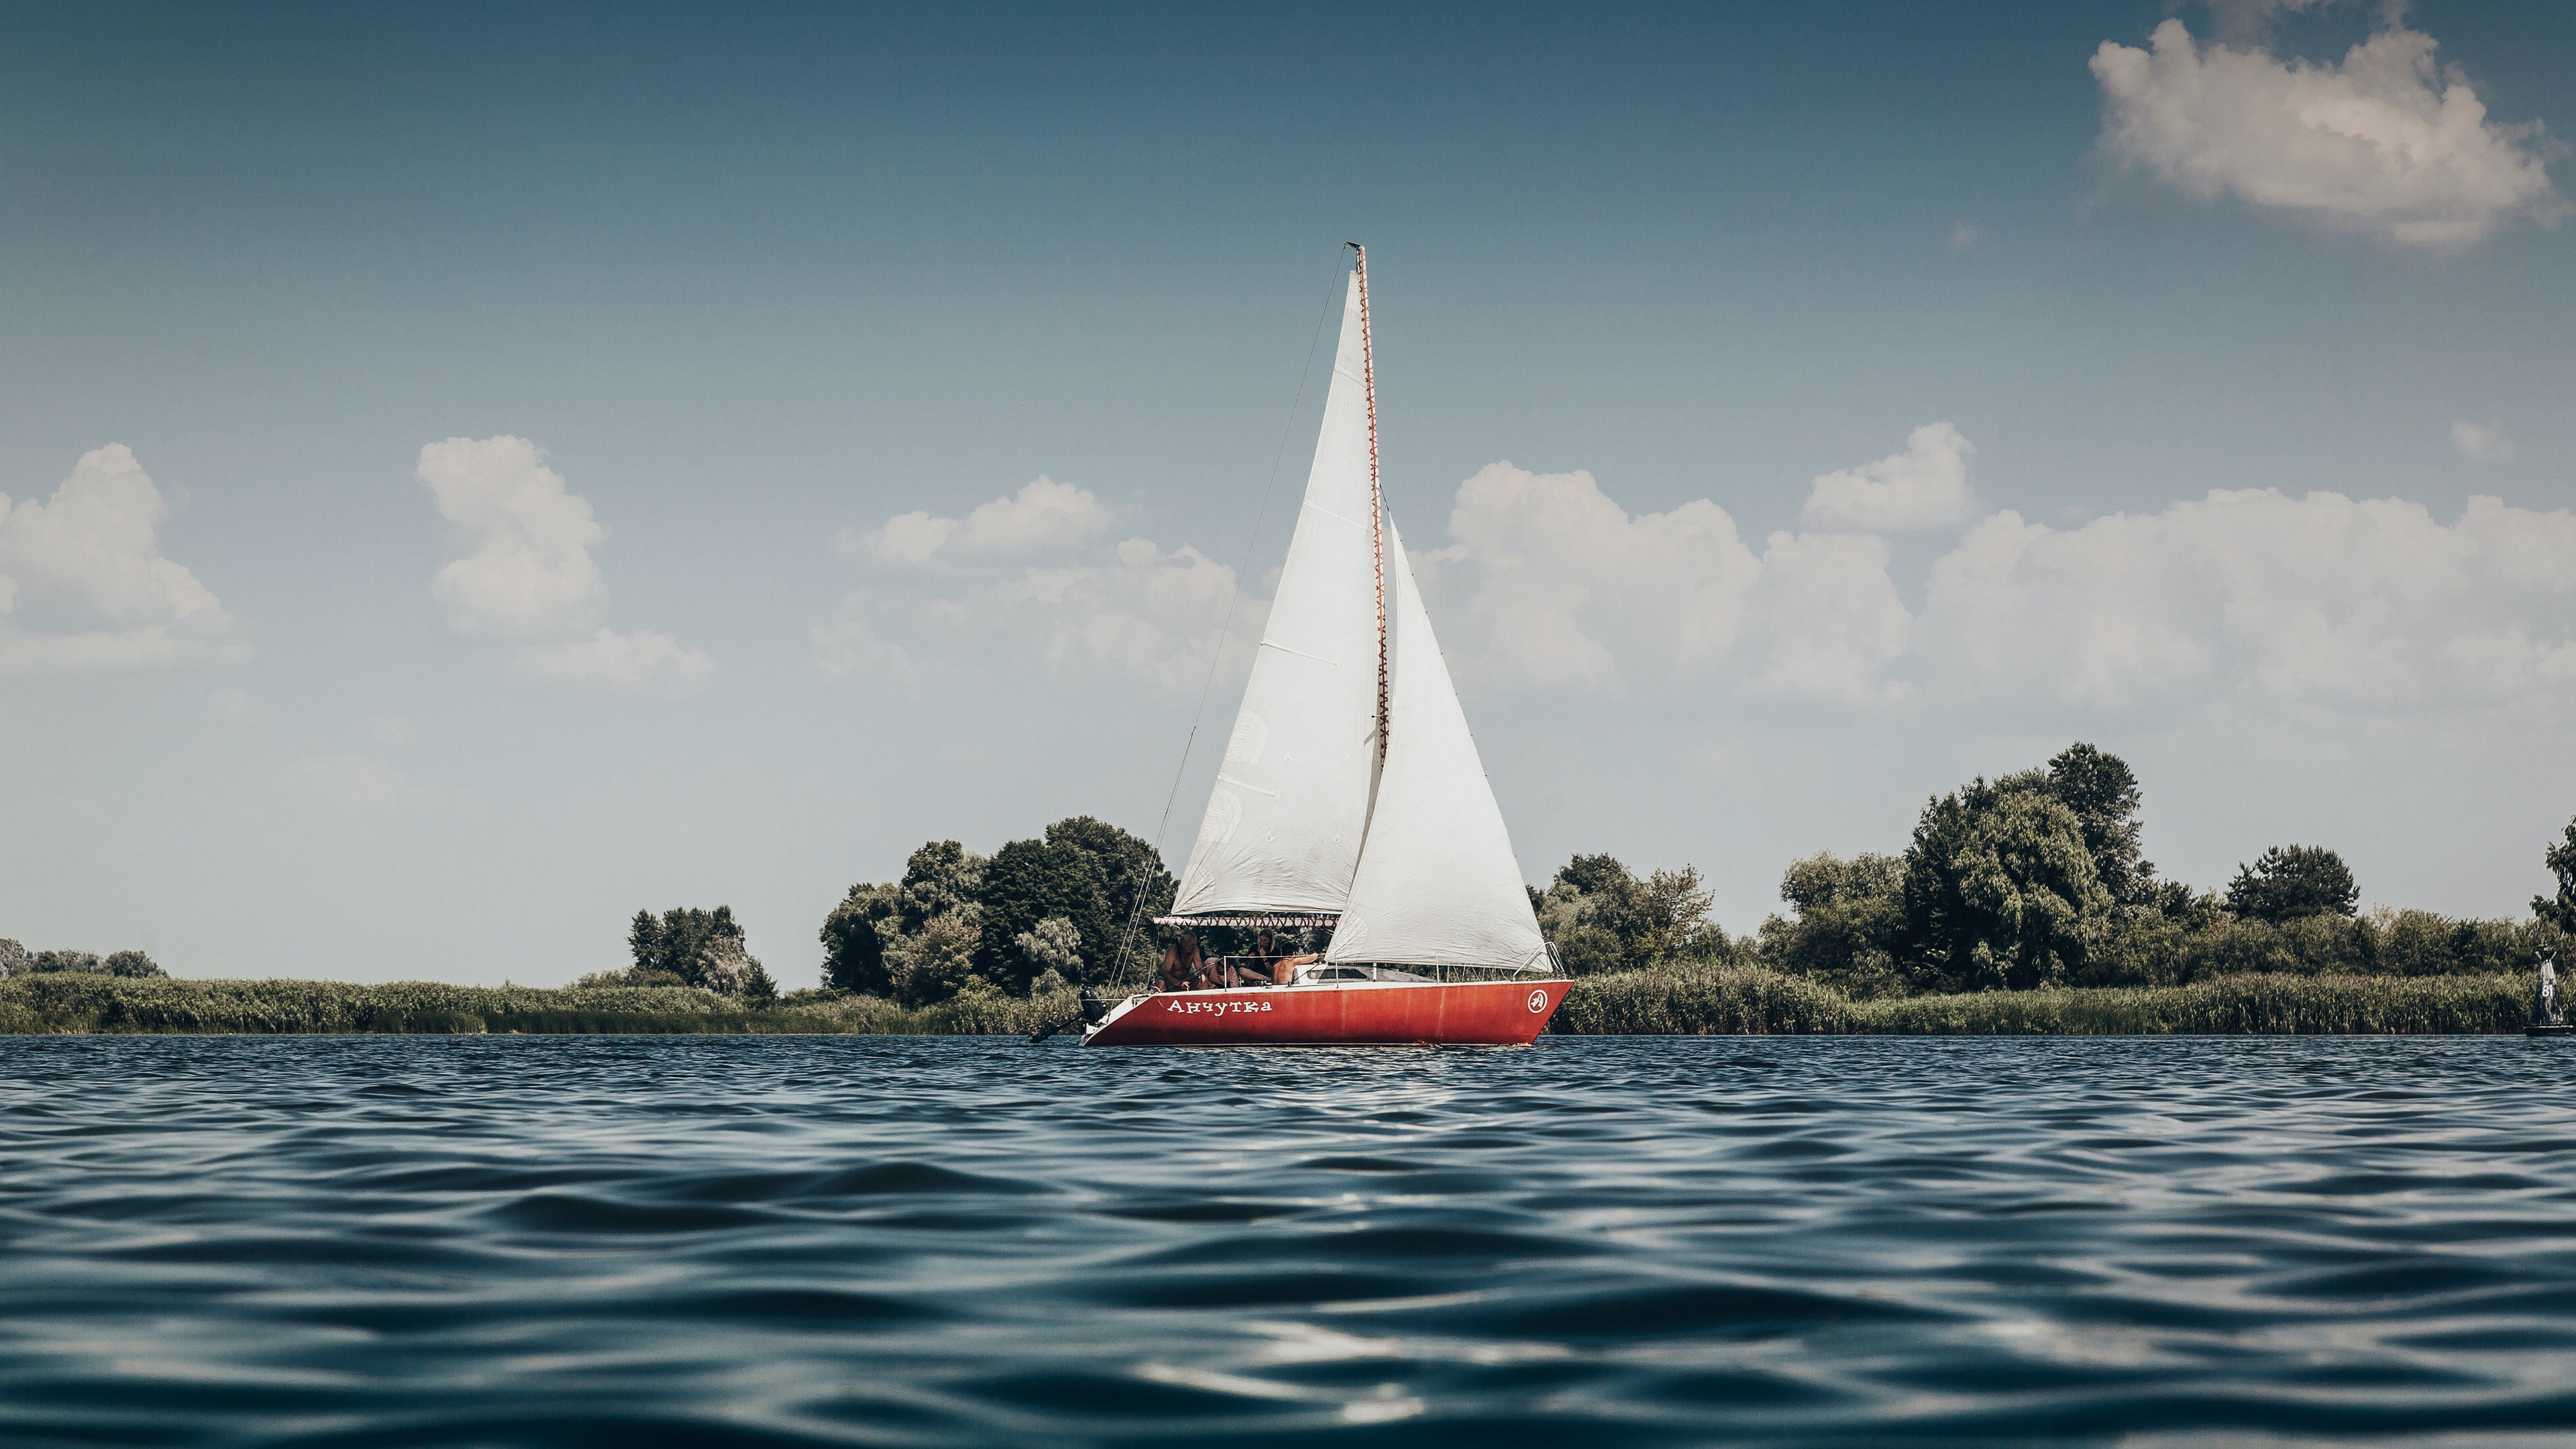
column 2021, row 905
column 1679, row 1000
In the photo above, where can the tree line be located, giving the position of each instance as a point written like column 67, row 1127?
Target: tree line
column 2031, row 880
column 2036, row 879
column 1032, row 917
column 17, row 960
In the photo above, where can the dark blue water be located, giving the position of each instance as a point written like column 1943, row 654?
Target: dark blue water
column 623, row 1241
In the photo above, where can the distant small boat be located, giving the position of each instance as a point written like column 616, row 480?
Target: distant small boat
column 1351, row 797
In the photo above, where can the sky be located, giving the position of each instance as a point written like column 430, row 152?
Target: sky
column 472, row 473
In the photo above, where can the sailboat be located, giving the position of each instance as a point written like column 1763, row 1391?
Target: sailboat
column 1351, row 797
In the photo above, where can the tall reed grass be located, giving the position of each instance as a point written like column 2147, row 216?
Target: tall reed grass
column 68, row 1002
column 977, row 1014
column 1728, row 1000
column 1699, row 1000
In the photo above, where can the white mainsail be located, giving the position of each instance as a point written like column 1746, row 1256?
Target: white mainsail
column 1437, row 883
column 1283, row 825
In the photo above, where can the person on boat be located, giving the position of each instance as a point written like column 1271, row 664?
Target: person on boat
column 1183, row 970
column 1270, row 964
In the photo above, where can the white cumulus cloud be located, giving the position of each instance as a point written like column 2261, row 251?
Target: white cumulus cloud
column 1044, row 519
column 1558, row 581
column 2481, row 442
column 1546, row 583
column 1033, row 567
column 1926, row 486
column 524, row 572
column 83, row 584
column 2323, row 598
column 1555, row 586
column 2386, row 141
column 1143, row 612
column 1829, row 621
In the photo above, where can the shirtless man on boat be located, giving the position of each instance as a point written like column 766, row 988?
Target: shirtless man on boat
column 1184, row 969
column 1267, row 965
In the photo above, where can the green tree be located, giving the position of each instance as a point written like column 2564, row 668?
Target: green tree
column 2103, row 792
column 14, row 960
column 685, row 941
column 1670, row 918
column 1584, row 912
column 855, row 936
column 939, row 878
column 133, row 964
column 1027, row 881
column 1849, row 925
column 1599, row 917
column 1134, row 885
column 937, row 963
column 2560, row 911
column 729, row 969
column 1085, row 877
column 1052, row 952
column 2287, row 882
column 2000, row 887
column 873, row 932
column 1583, row 947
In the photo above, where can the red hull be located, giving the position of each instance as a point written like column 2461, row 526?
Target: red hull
column 1359, row 1013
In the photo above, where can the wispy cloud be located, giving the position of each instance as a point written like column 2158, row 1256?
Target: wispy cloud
column 2481, row 442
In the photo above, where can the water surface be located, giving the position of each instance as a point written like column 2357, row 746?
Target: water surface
column 635, row 1241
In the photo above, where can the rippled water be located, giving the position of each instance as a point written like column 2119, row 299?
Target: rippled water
column 640, row 1241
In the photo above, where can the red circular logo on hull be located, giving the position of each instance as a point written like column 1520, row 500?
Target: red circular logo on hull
column 1538, row 1001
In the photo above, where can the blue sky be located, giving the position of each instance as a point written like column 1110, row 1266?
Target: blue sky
column 750, row 286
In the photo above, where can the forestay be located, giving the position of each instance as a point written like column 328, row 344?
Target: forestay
column 1283, row 825
column 1437, row 883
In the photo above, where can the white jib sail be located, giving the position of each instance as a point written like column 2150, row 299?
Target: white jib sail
column 1438, row 884
column 1283, row 825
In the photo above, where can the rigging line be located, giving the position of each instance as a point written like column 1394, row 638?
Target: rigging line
column 1234, row 597
column 1377, row 502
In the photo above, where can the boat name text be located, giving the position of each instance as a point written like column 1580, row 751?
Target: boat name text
column 1219, row 1008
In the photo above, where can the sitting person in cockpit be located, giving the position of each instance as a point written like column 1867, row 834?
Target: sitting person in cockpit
column 1183, row 969
column 1269, row 964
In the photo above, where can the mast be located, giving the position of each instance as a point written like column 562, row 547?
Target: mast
column 1377, row 501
